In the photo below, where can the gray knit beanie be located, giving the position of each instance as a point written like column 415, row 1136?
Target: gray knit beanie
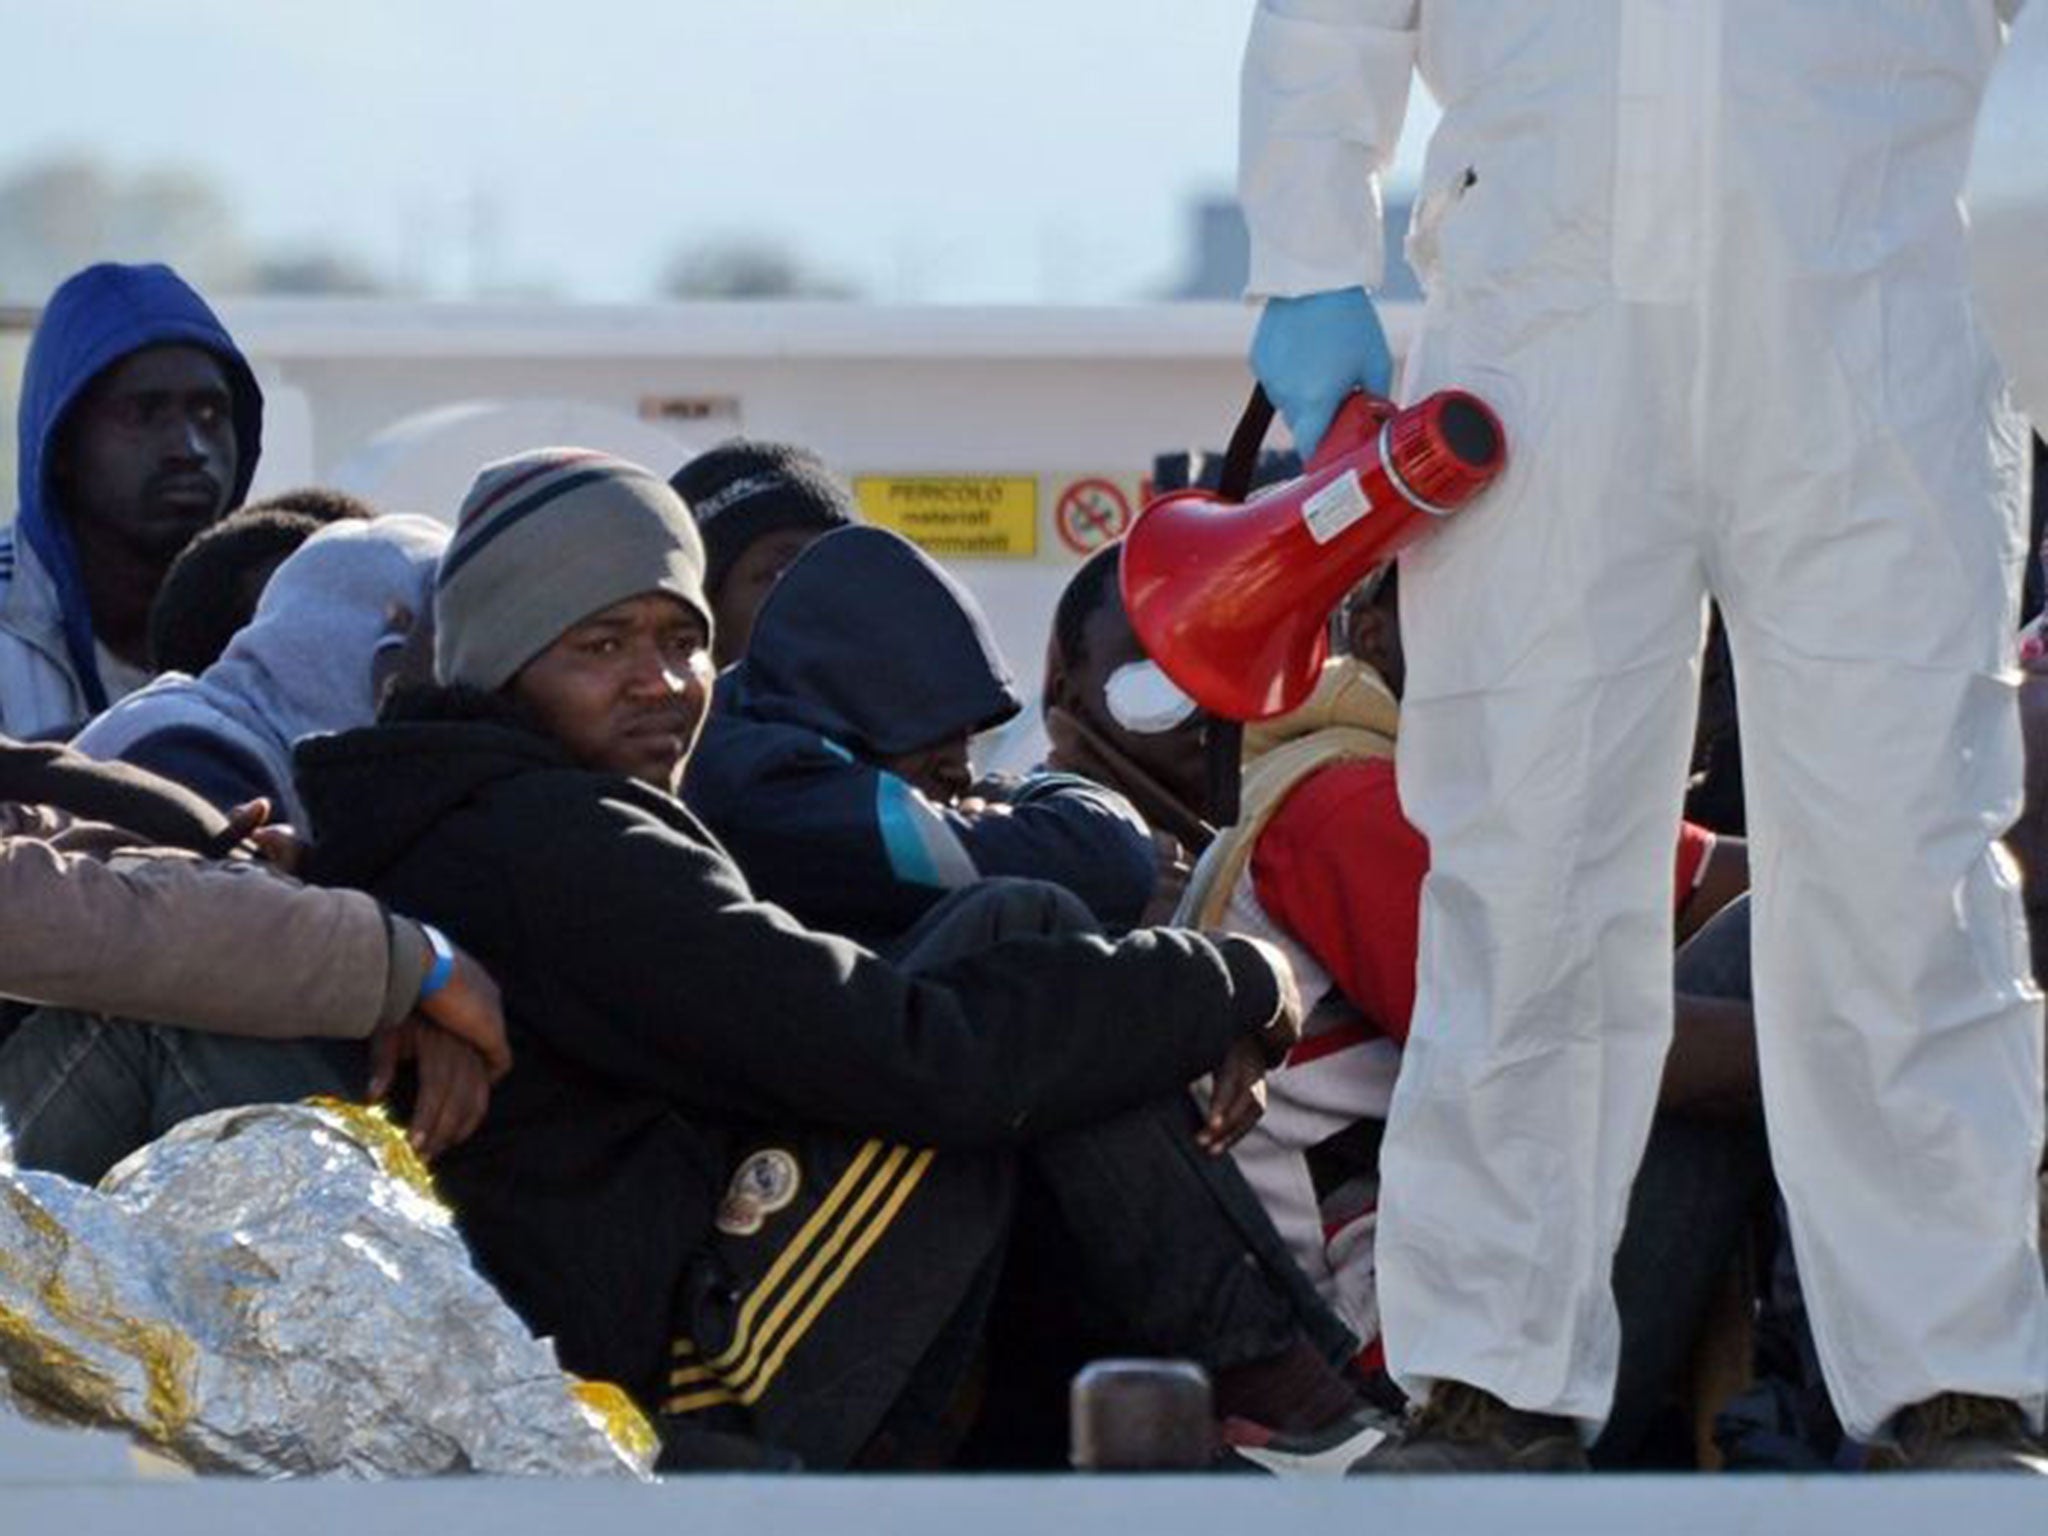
column 543, row 541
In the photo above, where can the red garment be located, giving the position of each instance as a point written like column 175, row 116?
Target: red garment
column 1339, row 867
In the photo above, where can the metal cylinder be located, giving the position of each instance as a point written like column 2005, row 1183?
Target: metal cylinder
column 1141, row 1416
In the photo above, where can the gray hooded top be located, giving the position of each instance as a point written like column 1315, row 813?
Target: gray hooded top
column 302, row 667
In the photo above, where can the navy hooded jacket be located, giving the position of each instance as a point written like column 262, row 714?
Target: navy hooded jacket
column 864, row 650
column 49, row 672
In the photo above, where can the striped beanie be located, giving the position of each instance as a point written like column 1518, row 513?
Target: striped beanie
column 543, row 541
column 743, row 490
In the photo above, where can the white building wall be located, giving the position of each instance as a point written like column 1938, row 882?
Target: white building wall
column 1053, row 394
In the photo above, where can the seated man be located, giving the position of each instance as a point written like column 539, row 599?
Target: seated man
column 101, row 921
column 758, row 1175
column 140, row 425
column 1152, row 741
column 1323, row 863
column 758, row 506
column 329, row 633
column 835, row 764
column 213, row 586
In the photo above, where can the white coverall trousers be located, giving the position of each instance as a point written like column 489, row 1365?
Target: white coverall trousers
column 1706, row 260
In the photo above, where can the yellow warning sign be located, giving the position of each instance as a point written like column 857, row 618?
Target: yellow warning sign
column 979, row 516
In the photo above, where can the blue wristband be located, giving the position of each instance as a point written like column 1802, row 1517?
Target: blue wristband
column 442, row 971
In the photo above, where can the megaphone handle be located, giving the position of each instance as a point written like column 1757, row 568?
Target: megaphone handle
column 1224, row 745
column 1357, row 422
column 1357, row 419
column 1241, row 458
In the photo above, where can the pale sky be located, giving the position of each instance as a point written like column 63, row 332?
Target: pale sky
column 946, row 150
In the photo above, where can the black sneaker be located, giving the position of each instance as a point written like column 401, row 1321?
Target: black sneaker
column 1464, row 1429
column 1961, row 1432
column 1327, row 1452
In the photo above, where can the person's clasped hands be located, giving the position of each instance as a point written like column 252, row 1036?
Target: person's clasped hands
column 455, row 1034
column 455, row 1040
column 1237, row 1088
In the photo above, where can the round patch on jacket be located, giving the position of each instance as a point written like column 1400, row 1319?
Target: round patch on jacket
column 762, row 1185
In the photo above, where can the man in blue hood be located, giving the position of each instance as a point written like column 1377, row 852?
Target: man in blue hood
column 835, row 763
column 140, row 425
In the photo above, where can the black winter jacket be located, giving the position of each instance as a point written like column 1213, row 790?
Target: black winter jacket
column 664, row 1020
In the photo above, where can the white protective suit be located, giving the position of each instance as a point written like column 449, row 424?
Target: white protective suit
column 1706, row 259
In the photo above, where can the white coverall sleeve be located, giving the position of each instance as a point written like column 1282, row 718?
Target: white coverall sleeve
column 1323, row 94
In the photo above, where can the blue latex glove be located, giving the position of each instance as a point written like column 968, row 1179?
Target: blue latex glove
column 1312, row 351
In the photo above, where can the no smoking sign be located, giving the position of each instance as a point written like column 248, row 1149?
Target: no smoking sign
column 1090, row 514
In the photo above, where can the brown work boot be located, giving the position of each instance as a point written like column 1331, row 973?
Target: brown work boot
column 1464, row 1429
column 1961, row 1432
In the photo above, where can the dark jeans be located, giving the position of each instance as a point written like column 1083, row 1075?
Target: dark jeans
column 79, row 1092
column 1128, row 1239
column 1702, row 1184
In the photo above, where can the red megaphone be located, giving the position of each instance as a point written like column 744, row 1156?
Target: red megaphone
column 1232, row 597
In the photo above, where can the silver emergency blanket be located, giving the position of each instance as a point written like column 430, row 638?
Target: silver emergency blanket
column 275, row 1290
column 2008, row 198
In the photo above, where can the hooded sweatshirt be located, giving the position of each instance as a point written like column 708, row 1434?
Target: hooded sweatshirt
column 303, row 666
column 49, row 672
column 864, row 650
